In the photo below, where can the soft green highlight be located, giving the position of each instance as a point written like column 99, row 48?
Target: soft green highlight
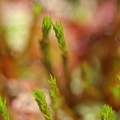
column 37, row 9
column 118, row 77
column 3, row 110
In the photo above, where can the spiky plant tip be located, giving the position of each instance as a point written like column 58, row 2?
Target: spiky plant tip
column 54, row 93
column 40, row 98
column 3, row 110
column 46, row 26
column 58, row 29
column 107, row 113
column 52, row 81
column 54, row 88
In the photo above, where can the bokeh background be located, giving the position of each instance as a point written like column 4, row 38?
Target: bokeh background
column 92, row 34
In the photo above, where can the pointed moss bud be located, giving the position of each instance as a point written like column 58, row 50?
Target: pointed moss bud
column 60, row 36
column 107, row 113
column 45, row 43
column 3, row 110
column 41, row 101
column 54, row 93
column 46, row 26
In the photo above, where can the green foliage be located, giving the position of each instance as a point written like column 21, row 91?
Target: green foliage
column 46, row 26
column 107, row 113
column 41, row 101
column 118, row 77
column 54, row 93
column 37, row 10
column 58, row 29
column 44, row 43
column 3, row 110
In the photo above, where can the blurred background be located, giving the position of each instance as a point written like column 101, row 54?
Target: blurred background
column 92, row 34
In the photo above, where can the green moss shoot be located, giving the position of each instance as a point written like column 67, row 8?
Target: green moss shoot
column 58, row 29
column 107, row 113
column 54, row 93
column 3, row 110
column 46, row 26
column 41, row 101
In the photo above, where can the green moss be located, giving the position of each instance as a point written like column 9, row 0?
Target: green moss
column 54, row 93
column 37, row 10
column 107, row 113
column 58, row 29
column 41, row 101
column 3, row 110
column 46, row 26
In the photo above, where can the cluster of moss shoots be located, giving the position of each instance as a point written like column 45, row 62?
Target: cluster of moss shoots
column 56, row 102
column 56, row 99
